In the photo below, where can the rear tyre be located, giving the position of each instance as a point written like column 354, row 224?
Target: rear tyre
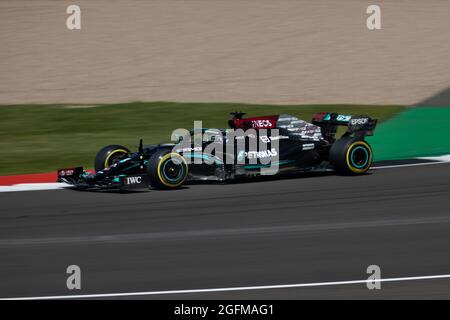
column 351, row 156
column 167, row 170
column 110, row 155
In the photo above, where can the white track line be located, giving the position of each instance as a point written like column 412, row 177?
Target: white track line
column 34, row 186
column 269, row 287
column 407, row 165
column 444, row 158
column 439, row 160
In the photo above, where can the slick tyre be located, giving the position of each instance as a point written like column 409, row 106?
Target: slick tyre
column 167, row 170
column 109, row 155
column 351, row 156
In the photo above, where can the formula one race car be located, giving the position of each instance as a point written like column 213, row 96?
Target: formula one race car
column 278, row 144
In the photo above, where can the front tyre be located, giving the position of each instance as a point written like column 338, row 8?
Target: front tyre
column 351, row 156
column 110, row 155
column 167, row 170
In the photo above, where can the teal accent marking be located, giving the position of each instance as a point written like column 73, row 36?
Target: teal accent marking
column 135, row 165
column 202, row 156
column 365, row 162
column 257, row 166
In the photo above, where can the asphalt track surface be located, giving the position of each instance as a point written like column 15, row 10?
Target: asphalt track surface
column 301, row 230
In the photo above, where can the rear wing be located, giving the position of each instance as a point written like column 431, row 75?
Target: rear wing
column 359, row 125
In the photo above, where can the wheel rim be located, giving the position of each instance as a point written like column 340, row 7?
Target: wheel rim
column 114, row 157
column 173, row 170
column 359, row 157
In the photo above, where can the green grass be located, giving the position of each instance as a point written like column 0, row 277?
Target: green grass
column 40, row 138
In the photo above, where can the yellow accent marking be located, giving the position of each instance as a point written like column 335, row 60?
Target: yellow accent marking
column 161, row 178
column 111, row 153
column 347, row 157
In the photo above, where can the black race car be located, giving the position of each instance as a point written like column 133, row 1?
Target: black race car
column 278, row 144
